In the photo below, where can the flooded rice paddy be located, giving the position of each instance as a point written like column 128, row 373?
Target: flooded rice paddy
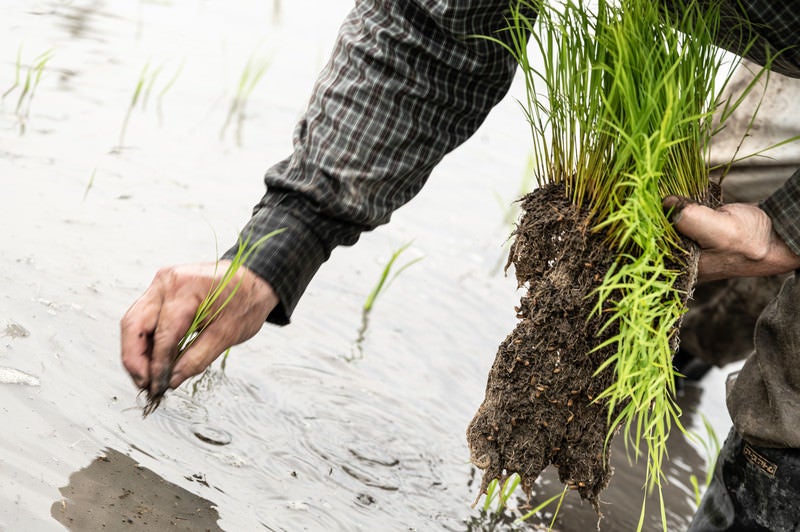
column 123, row 148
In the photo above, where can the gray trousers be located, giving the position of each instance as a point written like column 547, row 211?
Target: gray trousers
column 764, row 397
column 756, row 482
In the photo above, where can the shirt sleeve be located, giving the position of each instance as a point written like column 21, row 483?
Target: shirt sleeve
column 407, row 82
column 783, row 208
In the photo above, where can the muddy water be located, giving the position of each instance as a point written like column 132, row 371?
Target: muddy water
column 304, row 429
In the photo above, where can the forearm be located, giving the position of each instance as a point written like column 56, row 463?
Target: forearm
column 405, row 85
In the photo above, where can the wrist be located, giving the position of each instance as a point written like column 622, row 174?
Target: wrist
column 763, row 249
column 780, row 258
column 264, row 297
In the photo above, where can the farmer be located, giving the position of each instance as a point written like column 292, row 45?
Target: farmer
column 403, row 88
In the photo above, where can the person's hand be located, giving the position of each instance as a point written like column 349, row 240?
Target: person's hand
column 736, row 240
column 152, row 327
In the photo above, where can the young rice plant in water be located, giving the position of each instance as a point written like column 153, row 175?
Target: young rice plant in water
column 33, row 76
column 142, row 92
column 497, row 497
column 621, row 115
column 383, row 283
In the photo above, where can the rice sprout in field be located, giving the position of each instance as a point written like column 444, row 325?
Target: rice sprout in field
column 251, row 75
column 711, row 446
column 532, row 512
column 213, row 304
column 33, row 76
column 511, row 210
column 386, row 278
column 142, row 92
column 163, row 92
column 498, row 496
column 90, row 184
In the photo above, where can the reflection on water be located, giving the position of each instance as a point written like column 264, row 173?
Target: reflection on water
column 114, row 492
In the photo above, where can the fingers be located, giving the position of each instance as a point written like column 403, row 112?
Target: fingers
column 736, row 240
column 174, row 320
column 203, row 351
column 673, row 207
column 153, row 326
column 137, row 329
column 241, row 319
column 709, row 228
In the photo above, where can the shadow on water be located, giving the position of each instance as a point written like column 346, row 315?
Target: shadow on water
column 115, row 491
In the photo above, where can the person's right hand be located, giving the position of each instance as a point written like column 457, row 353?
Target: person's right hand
column 152, row 327
column 736, row 240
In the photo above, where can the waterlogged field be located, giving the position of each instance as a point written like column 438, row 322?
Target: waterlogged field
column 134, row 135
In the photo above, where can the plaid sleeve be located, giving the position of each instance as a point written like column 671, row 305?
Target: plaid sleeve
column 406, row 84
column 783, row 207
column 762, row 31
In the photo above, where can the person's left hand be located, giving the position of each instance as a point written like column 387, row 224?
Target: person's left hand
column 155, row 323
column 736, row 240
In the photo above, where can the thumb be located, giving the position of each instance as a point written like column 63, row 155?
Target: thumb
column 702, row 224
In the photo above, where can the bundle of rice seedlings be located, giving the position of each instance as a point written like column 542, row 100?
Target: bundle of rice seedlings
column 621, row 117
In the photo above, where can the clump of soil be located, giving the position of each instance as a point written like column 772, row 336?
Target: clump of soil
column 539, row 407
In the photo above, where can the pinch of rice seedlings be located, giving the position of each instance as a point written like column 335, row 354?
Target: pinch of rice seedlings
column 210, row 308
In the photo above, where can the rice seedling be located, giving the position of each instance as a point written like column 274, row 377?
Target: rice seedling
column 90, row 184
column 17, row 70
column 386, row 278
column 167, row 86
column 511, row 209
column 213, row 304
column 142, row 92
column 251, row 75
column 141, row 83
column 33, row 76
column 532, row 512
column 498, row 496
column 501, row 493
column 711, row 446
column 621, row 115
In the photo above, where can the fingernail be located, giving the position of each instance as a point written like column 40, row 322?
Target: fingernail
column 675, row 211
